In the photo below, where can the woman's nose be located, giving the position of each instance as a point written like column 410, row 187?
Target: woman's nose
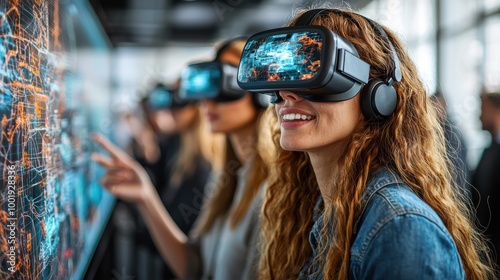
column 288, row 95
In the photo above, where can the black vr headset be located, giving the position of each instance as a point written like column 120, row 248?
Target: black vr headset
column 210, row 80
column 215, row 80
column 317, row 64
column 162, row 97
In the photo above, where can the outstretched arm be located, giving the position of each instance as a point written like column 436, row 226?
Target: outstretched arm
column 126, row 179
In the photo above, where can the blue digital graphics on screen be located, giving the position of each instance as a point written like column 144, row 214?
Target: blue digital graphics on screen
column 200, row 81
column 52, row 208
column 281, row 57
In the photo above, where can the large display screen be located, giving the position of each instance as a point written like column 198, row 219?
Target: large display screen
column 54, row 91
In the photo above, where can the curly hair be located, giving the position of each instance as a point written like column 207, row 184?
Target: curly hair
column 219, row 203
column 411, row 143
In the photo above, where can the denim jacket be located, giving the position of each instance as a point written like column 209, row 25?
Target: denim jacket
column 397, row 236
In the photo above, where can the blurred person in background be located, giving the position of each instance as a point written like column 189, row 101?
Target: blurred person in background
column 223, row 243
column 153, row 145
column 455, row 144
column 173, row 146
column 486, row 176
column 179, row 174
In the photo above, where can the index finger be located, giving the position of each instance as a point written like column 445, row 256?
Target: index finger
column 113, row 150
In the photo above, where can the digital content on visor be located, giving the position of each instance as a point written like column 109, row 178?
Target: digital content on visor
column 282, row 57
column 210, row 80
column 200, row 81
column 160, row 98
column 309, row 60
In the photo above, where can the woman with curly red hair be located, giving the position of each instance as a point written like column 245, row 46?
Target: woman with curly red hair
column 361, row 187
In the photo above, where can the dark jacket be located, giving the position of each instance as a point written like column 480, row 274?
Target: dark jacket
column 486, row 195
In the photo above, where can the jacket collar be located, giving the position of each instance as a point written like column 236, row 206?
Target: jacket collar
column 379, row 179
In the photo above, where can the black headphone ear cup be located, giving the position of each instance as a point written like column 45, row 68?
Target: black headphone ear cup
column 378, row 100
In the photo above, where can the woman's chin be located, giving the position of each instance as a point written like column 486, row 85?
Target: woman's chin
column 291, row 145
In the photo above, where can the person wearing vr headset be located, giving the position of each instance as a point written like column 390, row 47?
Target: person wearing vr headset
column 223, row 243
column 177, row 176
column 159, row 105
column 182, row 170
column 360, row 187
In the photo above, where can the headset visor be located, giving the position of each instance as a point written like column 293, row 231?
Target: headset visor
column 200, row 81
column 160, row 98
column 295, row 56
column 210, row 80
column 310, row 60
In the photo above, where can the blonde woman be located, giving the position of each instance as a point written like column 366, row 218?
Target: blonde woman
column 222, row 245
column 361, row 187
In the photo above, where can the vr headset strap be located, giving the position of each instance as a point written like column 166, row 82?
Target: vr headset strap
column 307, row 17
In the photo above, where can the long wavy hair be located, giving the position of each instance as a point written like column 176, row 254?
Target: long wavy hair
column 411, row 143
column 197, row 143
column 219, row 203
